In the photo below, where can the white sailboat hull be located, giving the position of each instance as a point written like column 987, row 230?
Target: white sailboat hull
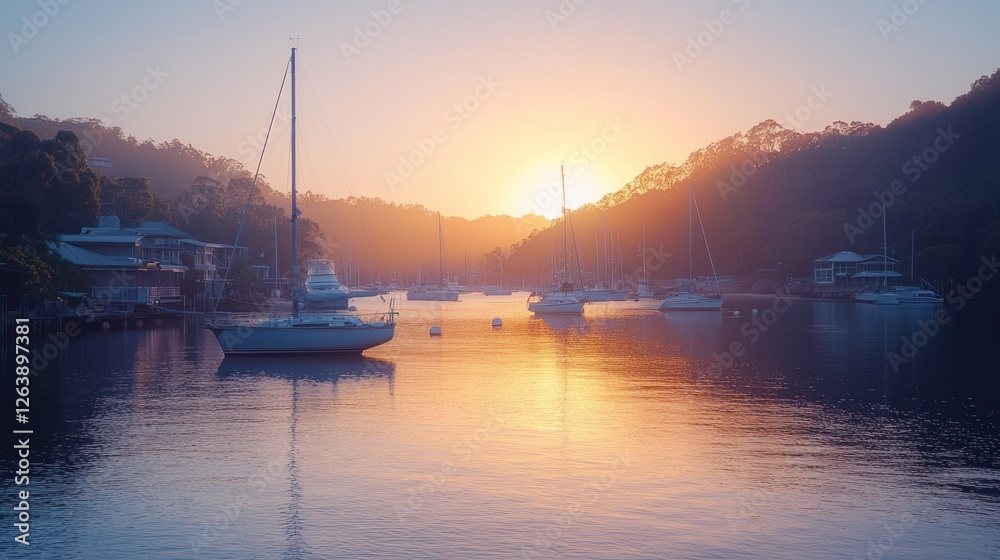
column 567, row 308
column 911, row 300
column 691, row 302
column 912, row 296
column 306, row 338
column 555, row 303
column 879, row 298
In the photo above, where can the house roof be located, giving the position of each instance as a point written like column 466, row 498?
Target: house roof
column 159, row 228
column 125, row 237
column 144, row 229
column 878, row 258
column 204, row 244
column 89, row 259
column 108, row 231
column 850, row 256
column 841, row 256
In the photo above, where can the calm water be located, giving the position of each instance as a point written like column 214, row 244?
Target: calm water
column 604, row 437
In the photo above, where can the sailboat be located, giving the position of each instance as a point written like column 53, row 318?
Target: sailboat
column 605, row 289
column 690, row 301
column 439, row 292
column 564, row 300
column 300, row 333
column 881, row 295
column 922, row 293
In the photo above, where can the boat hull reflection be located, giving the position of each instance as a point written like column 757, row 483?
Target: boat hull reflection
column 329, row 368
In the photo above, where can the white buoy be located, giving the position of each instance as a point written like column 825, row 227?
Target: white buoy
column 435, row 331
column 497, row 322
column 754, row 312
column 736, row 313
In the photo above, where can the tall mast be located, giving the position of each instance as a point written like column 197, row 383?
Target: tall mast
column 295, row 210
column 562, row 174
column 690, row 243
column 441, row 283
column 707, row 248
column 611, row 260
column 913, row 244
column 621, row 269
column 643, row 256
column 277, row 281
column 597, row 260
column 604, row 218
column 885, row 252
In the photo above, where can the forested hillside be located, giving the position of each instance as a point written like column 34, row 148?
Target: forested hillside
column 776, row 199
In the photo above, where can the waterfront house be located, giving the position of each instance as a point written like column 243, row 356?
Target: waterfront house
column 144, row 265
column 847, row 268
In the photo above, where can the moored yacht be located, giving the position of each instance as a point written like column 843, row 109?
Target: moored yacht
column 912, row 294
column 563, row 301
column 881, row 294
column 440, row 291
column 302, row 333
column 556, row 303
column 691, row 301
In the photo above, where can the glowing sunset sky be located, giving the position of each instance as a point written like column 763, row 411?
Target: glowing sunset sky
column 504, row 91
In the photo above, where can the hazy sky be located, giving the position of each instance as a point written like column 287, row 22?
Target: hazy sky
column 498, row 93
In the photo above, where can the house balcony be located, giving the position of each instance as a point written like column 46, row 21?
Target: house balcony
column 137, row 295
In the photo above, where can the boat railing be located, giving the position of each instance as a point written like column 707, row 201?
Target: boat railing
column 227, row 319
column 384, row 318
